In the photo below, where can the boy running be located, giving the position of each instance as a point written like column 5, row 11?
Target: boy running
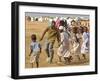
column 52, row 36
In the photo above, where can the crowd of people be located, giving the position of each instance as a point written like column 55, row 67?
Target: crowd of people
column 72, row 39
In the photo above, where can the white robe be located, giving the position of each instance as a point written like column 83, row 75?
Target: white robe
column 75, row 49
column 63, row 50
column 85, row 44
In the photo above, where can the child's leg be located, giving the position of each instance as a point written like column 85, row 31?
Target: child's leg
column 59, row 58
column 78, row 57
column 51, row 51
column 37, row 60
column 65, row 59
column 37, row 64
column 47, row 52
column 32, row 59
column 69, row 59
column 47, row 49
column 67, row 56
column 84, row 56
column 51, row 58
column 32, row 65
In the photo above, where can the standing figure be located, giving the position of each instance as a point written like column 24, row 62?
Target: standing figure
column 85, row 43
column 35, row 51
column 63, row 50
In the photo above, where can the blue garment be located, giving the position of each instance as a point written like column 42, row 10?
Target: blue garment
column 35, row 46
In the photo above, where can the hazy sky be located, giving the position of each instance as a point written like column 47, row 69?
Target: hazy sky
column 37, row 14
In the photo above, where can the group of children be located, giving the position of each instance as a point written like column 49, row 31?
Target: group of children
column 71, row 40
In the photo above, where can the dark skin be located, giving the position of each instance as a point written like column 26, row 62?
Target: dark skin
column 37, row 64
column 44, row 33
column 46, row 30
column 68, row 59
column 65, row 58
column 33, row 38
column 85, row 30
column 30, row 52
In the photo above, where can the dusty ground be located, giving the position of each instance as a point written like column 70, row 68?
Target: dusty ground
column 38, row 28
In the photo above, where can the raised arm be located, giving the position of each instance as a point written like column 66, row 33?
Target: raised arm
column 43, row 33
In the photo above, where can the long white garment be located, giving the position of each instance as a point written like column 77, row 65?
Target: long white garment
column 76, row 46
column 63, row 50
column 85, row 44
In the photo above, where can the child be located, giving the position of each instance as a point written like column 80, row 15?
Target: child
column 52, row 36
column 75, row 49
column 75, row 46
column 85, row 43
column 35, row 51
column 63, row 50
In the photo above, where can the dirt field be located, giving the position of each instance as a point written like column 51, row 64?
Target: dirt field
column 37, row 28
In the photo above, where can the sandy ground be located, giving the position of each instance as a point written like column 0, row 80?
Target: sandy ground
column 37, row 28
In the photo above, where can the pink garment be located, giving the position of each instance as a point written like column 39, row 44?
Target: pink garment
column 57, row 23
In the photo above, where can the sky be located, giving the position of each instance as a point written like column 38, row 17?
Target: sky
column 37, row 14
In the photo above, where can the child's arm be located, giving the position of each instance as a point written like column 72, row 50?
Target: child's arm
column 44, row 33
column 58, row 35
column 30, row 51
column 61, row 43
column 40, row 47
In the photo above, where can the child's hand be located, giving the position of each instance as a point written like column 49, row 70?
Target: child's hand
column 40, row 51
column 40, row 39
column 29, row 54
